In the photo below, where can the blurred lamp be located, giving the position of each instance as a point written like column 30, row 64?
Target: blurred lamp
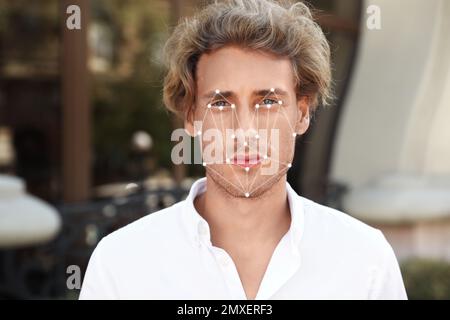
column 142, row 141
column 24, row 220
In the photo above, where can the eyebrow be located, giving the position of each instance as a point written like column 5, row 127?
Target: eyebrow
column 262, row 93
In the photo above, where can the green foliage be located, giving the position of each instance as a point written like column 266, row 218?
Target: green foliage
column 426, row 279
column 123, row 108
column 128, row 96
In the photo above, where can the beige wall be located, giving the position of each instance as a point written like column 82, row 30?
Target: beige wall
column 396, row 116
column 393, row 143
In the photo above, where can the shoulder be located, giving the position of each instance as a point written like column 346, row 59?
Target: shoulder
column 139, row 250
column 339, row 230
column 155, row 231
column 359, row 253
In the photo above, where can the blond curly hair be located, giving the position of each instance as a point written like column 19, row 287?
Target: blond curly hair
column 281, row 27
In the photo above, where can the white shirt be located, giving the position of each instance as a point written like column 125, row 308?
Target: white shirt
column 168, row 254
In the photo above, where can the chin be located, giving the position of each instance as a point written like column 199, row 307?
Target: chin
column 235, row 183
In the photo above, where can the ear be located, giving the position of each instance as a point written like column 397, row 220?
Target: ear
column 303, row 118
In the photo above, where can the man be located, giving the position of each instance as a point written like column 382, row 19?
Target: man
column 245, row 76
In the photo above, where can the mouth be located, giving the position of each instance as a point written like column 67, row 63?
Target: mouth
column 246, row 160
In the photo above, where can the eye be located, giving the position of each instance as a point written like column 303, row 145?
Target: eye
column 269, row 102
column 219, row 103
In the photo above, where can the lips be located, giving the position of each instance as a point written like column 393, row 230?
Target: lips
column 246, row 160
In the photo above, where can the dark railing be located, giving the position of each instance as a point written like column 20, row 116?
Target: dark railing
column 41, row 272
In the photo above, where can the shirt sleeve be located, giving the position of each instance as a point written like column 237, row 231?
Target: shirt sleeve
column 388, row 281
column 97, row 283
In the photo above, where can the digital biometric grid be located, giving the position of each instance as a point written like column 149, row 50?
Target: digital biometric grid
column 265, row 154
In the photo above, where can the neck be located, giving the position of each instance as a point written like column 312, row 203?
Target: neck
column 236, row 221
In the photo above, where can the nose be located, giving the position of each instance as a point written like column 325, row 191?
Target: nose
column 246, row 128
column 246, row 114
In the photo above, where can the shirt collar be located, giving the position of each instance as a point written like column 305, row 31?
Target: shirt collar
column 198, row 228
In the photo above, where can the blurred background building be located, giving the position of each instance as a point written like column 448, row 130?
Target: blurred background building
column 85, row 140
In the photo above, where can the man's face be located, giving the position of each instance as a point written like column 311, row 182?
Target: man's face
column 247, row 117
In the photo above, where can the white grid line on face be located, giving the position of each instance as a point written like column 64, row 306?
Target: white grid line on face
column 268, row 145
column 215, row 124
column 247, row 169
column 216, row 172
column 294, row 134
column 226, row 155
column 265, row 182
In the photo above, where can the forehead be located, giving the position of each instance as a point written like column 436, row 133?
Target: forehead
column 233, row 68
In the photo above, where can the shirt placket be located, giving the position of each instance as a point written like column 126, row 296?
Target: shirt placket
column 224, row 262
column 283, row 264
column 230, row 273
